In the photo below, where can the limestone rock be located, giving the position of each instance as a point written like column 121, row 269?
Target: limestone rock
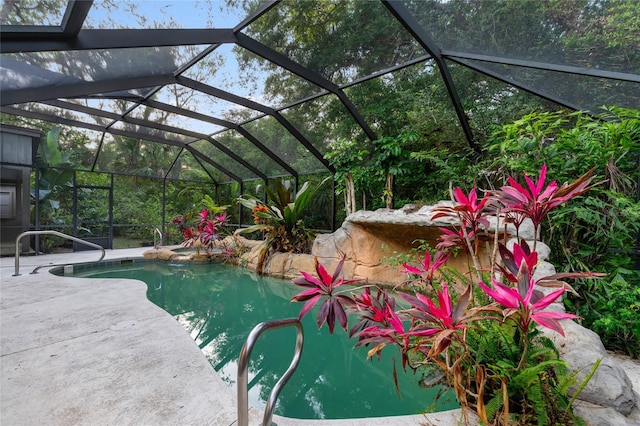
column 610, row 386
column 202, row 257
column 525, row 232
column 181, row 258
column 368, row 239
column 598, row 415
column 150, row 254
column 544, row 269
column 250, row 258
column 165, row 254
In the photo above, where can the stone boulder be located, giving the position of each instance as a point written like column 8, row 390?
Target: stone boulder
column 369, row 238
column 278, row 265
column 610, row 386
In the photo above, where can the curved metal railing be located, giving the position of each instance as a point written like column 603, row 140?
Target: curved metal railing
column 157, row 244
column 56, row 233
column 243, row 367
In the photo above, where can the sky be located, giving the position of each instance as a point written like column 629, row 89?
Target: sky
column 185, row 13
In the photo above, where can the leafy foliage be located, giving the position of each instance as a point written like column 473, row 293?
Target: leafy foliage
column 281, row 222
column 599, row 232
column 483, row 338
column 209, row 230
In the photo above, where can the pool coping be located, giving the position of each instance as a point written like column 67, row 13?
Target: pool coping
column 105, row 354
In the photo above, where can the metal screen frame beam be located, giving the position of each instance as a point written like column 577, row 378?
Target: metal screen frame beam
column 238, row 127
column 568, row 69
column 75, row 123
column 152, row 125
column 283, row 61
column 303, row 140
column 411, row 24
column 94, row 39
column 209, row 161
column 188, row 113
column 230, row 97
column 36, row 94
column 263, row 8
column 81, row 124
column 518, row 85
column 74, row 16
column 262, row 147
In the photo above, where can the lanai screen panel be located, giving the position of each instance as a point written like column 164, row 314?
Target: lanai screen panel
column 79, row 145
column 164, row 14
column 484, row 100
column 324, row 120
column 391, row 101
column 338, row 45
column 54, row 112
column 339, row 40
column 156, row 115
column 40, row 13
column 281, row 142
column 228, row 163
column 571, row 32
column 132, row 156
column 188, row 168
column 157, row 135
column 242, row 73
column 41, row 69
column 218, row 176
column 579, row 91
column 115, row 106
column 202, row 103
column 542, row 43
column 249, row 152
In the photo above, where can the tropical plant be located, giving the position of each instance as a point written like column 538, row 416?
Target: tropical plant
column 324, row 286
column 55, row 185
column 601, row 231
column 535, row 201
column 485, row 338
column 209, row 231
column 281, row 221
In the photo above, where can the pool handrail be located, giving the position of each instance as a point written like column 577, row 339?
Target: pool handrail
column 243, row 367
column 155, row 243
column 56, row 233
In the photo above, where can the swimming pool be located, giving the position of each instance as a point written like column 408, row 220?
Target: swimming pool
column 219, row 304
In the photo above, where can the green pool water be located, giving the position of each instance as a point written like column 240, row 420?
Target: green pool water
column 219, row 305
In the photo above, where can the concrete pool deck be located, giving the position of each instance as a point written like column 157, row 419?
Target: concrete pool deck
column 74, row 351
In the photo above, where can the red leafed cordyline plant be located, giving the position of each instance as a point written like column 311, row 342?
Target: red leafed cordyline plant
column 485, row 338
column 535, row 201
column 207, row 232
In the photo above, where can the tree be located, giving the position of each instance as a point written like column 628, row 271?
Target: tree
column 347, row 158
column 389, row 160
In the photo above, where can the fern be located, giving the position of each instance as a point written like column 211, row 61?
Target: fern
column 494, row 405
column 536, row 399
column 547, row 343
column 530, row 375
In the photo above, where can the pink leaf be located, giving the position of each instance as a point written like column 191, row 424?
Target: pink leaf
column 308, row 306
column 548, row 299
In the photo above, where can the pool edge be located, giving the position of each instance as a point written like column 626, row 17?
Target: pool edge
column 222, row 398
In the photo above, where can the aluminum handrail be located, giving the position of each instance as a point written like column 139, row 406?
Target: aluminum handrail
column 243, row 369
column 56, row 233
column 156, row 232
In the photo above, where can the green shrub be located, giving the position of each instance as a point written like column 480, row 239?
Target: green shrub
column 599, row 233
